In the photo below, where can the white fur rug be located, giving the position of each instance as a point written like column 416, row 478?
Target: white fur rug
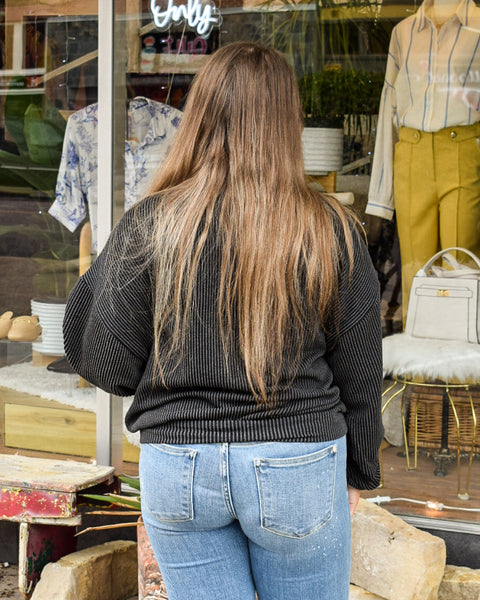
column 430, row 359
column 61, row 387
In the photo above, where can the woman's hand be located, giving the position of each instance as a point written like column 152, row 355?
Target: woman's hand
column 353, row 498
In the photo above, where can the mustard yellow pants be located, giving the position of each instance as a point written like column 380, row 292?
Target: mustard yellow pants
column 437, row 195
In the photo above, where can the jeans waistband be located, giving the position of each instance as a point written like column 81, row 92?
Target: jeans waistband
column 456, row 134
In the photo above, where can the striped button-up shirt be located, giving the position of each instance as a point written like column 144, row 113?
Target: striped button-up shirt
column 432, row 81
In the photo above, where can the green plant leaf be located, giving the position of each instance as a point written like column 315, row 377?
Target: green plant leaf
column 116, row 499
column 310, row 38
column 44, row 129
column 133, row 482
column 35, row 175
column 15, row 106
column 329, row 95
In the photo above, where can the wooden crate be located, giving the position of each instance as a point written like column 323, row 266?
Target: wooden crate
column 429, row 403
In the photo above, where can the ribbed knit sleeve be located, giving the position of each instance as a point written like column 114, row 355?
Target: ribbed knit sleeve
column 355, row 359
column 356, row 364
column 108, row 318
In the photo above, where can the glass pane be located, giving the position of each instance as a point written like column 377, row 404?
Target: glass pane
column 339, row 52
column 49, row 70
column 49, row 164
column 48, row 73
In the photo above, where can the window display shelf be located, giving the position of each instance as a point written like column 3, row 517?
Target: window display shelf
column 48, row 412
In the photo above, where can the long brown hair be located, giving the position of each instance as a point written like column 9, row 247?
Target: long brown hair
column 236, row 171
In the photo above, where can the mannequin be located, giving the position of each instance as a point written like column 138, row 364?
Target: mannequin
column 426, row 164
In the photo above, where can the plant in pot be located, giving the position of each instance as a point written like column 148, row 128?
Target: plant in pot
column 150, row 581
column 323, row 107
column 336, row 102
column 317, row 39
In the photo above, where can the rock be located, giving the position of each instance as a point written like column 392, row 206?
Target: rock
column 358, row 593
column 460, row 583
column 107, row 571
column 393, row 559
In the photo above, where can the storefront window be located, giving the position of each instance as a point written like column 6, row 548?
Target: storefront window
column 52, row 217
column 38, row 93
column 48, row 72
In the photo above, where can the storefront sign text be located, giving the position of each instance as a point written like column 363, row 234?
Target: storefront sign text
column 199, row 16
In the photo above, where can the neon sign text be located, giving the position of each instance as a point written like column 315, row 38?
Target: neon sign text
column 198, row 16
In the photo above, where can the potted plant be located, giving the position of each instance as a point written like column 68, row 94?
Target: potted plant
column 336, row 102
column 316, row 39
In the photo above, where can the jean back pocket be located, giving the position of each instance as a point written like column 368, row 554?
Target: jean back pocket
column 296, row 494
column 167, row 482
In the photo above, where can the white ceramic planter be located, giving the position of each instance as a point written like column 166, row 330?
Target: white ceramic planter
column 322, row 150
column 50, row 315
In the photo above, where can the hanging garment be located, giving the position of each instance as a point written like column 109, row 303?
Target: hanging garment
column 151, row 127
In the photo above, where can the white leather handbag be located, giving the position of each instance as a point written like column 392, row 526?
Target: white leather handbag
column 444, row 300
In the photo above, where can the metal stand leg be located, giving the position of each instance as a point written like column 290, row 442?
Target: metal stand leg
column 385, row 394
column 472, row 447
column 443, row 456
column 464, row 495
column 405, row 436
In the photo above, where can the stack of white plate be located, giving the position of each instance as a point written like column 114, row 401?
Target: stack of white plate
column 50, row 315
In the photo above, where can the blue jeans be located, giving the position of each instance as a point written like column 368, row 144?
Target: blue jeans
column 225, row 520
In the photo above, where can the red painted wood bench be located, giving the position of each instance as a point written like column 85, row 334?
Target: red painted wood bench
column 41, row 495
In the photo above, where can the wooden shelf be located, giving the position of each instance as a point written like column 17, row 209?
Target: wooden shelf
column 32, row 423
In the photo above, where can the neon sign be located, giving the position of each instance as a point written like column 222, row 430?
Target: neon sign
column 202, row 17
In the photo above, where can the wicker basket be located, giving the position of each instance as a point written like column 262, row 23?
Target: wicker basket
column 429, row 403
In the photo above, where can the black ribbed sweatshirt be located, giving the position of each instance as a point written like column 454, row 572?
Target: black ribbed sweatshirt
column 108, row 332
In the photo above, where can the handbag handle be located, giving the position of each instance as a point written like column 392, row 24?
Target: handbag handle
column 426, row 267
